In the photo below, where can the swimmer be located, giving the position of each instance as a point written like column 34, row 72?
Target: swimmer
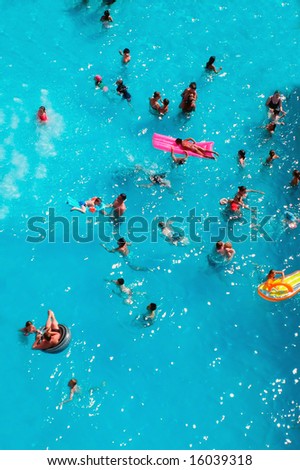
column 271, row 126
column 93, row 204
column 125, row 55
column 271, row 280
column 160, row 180
column 229, row 251
column 274, row 102
column 154, row 101
column 190, row 144
column 234, row 206
column 28, row 328
column 179, row 160
column 165, row 107
column 189, row 104
column 120, row 283
column 41, row 114
column 171, row 234
column 106, row 18
column 220, row 249
column 190, row 92
column 296, row 178
column 210, row 65
column 157, row 179
column 73, row 389
column 118, row 206
column 272, row 156
column 151, row 312
column 243, row 192
column 51, row 335
column 290, row 220
column 122, row 247
column 99, row 84
column 122, row 90
column 242, row 158
column 98, row 81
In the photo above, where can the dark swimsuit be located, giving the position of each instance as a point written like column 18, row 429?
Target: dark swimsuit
column 123, row 90
column 274, row 106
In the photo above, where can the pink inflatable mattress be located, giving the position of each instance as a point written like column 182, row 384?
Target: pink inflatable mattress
column 163, row 142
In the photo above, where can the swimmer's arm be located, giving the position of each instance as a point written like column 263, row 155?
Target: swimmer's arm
column 191, row 139
column 268, row 101
column 215, row 70
column 70, row 397
column 280, row 272
column 172, row 155
column 254, row 191
column 113, row 250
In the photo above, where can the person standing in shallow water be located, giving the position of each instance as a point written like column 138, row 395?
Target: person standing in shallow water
column 189, row 97
column 125, row 55
column 106, row 18
column 118, row 205
column 155, row 101
column 122, row 90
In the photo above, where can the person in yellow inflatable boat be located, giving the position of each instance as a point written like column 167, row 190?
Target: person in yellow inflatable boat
column 272, row 282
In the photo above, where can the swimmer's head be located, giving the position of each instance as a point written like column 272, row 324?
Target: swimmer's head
column 228, row 245
column 211, row 60
column 242, row 189
column 98, row 78
column 272, row 153
column 166, row 102
column 276, row 93
column 296, row 173
column 126, row 51
column 72, row 383
column 106, row 13
column 97, row 201
column 121, row 242
column 178, row 141
column 151, row 307
column 219, row 245
column 120, row 281
column 119, row 81
column 42, row 109
column 28, row 324
column 161, row 224
column 122, row 197
column 193, row 85
column 271, row 273
column 156, row 94
column 242, row 154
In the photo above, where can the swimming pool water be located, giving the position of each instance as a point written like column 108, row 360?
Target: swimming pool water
column 219, row 369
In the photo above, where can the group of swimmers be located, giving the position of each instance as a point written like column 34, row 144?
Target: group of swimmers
column 50, row 335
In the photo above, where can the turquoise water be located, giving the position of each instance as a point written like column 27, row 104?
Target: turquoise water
column 220, row 367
